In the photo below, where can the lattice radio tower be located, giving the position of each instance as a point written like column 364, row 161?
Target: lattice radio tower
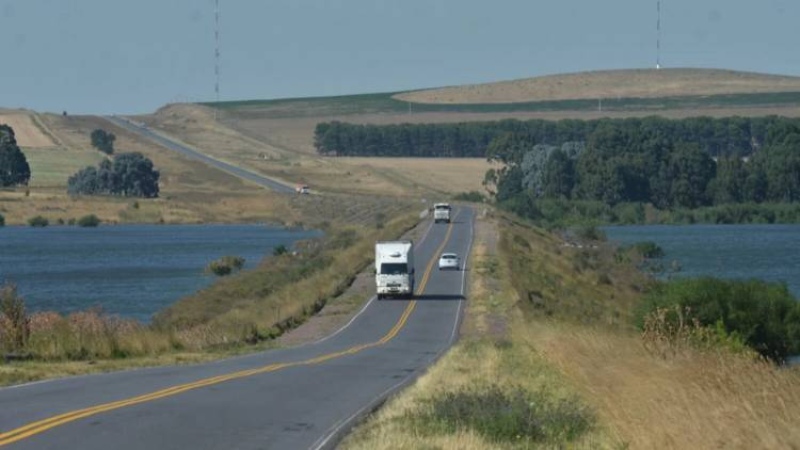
column 658, row 34
column 216, row 54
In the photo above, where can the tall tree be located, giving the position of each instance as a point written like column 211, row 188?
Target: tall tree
column 559, row 175
column 103, row 141
column 14, row 168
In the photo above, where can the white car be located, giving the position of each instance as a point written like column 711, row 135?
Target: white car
column 449, row 261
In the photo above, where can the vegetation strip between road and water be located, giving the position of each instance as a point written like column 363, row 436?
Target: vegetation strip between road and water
column 41, row 426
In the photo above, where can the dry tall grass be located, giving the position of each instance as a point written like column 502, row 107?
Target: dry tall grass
column 694, row 399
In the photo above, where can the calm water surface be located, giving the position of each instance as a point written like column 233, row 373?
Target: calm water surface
column 130, row 270
column 767, row 252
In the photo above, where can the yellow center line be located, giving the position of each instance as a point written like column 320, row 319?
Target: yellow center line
column 41, row 426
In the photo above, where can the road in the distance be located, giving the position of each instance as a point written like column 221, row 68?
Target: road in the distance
column 297, row 398
column 186, row 151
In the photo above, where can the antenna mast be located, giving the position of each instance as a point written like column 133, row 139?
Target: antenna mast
column 216, row 54
column 658, row 34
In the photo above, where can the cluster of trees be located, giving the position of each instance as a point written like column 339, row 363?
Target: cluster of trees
column 14, row 168
column 731, row 136
column 619, row 163
column 128, row 174
column 103, row 141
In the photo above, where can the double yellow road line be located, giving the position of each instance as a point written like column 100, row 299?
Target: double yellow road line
column 41, row 426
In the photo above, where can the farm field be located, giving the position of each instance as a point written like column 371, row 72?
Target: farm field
column 26, row 130
column 611, row 84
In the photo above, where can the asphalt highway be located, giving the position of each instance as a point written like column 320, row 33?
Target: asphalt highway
column 186, row 151
column 295, row 398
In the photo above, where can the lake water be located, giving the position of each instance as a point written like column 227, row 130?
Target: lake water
column 130, row 270
column 767, row 252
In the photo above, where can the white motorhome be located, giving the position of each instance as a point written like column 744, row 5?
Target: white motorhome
column 394, row 268
column 441, row 212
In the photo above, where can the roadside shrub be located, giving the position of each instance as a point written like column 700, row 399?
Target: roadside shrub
column 89, row 221
column 648, row 249
column 671, row 330
column 506, row 415
column 14, row 321
column 38, row 221
column 471, row 196
column 280, row 250
column 765, row 315
column 380, row 219
column 590, row 233
column 225, row 265
column 2, row 221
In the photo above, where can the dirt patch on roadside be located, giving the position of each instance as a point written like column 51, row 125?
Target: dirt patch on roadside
column 486, row 316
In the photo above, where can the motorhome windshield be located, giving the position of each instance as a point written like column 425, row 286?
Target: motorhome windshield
column 394, row 268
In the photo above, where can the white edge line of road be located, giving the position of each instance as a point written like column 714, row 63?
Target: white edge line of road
column 326, row 440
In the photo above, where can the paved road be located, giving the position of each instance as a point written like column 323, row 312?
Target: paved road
column 180, row 148
column 297, row 398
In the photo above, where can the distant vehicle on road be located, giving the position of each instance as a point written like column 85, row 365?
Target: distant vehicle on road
column 441, row 212
column 302, row 189
column 394, row 268
column 449, row 261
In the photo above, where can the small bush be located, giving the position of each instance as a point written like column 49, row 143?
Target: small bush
column 668, row 331
column 2, row 221
column 471, row 196
column 89, row 221
column 765, row 315
column 380, row 219
column 280, row 250
column 225, row 265
column 502, row 415
column 648, row 249
column 590, row 233
column 38, row 221
column 14, row 321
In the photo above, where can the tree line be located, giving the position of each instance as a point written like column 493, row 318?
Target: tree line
column 619, row 164
column 730, row 136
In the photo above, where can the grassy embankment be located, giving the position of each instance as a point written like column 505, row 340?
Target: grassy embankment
column 555, row 331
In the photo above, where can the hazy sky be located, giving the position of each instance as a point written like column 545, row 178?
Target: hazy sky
column 113, row 56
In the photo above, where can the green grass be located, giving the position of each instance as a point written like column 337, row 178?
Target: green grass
column 53, row 166
column 503, row 414
column 384, row 103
